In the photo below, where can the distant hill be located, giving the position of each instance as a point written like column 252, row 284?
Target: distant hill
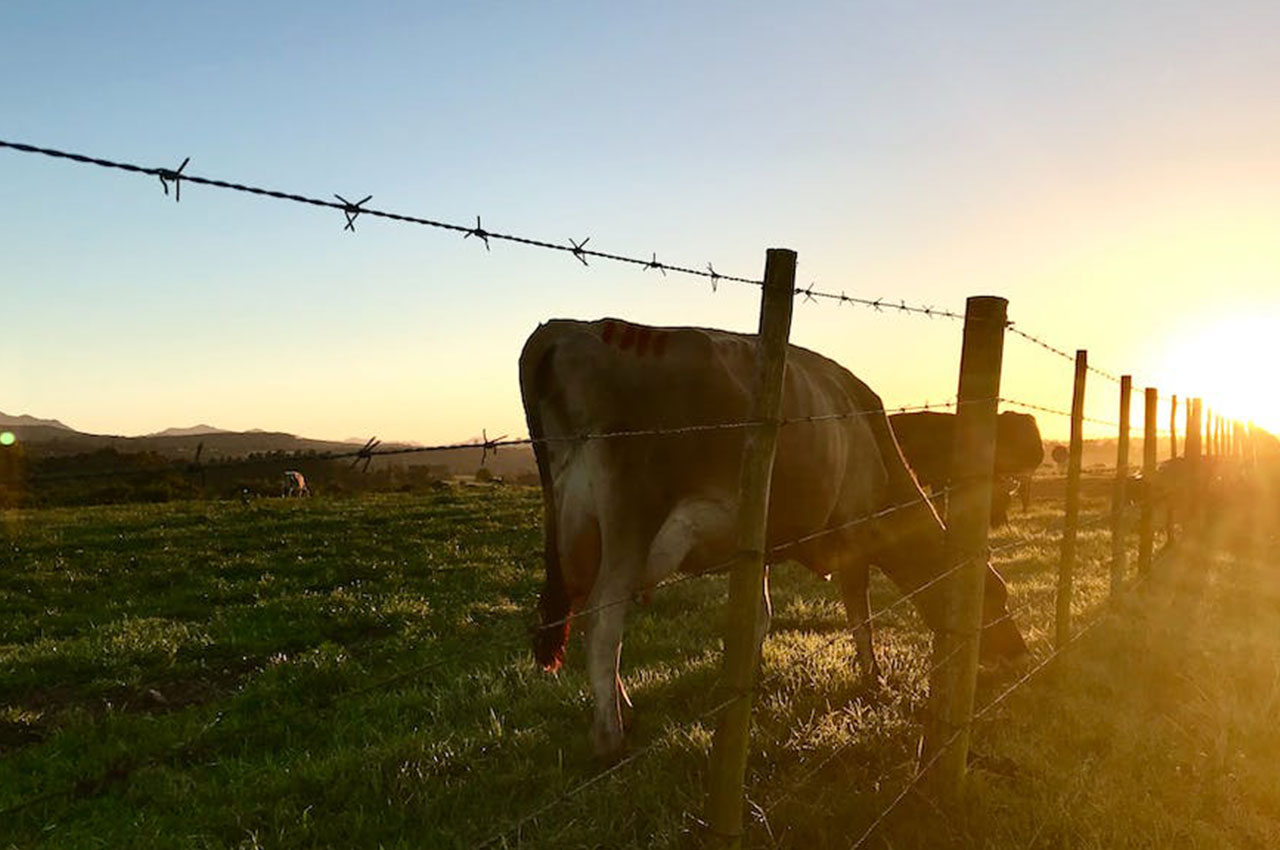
column 193, row 431
column 25, row 421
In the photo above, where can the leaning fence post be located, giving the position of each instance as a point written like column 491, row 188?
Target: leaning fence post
column 1067, row 563
column 1119, row 527
column 746, row 580
column 955, row 645
column 1146, row 525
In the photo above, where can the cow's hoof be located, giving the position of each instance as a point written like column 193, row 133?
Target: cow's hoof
column 609, row 746
column 870, row 682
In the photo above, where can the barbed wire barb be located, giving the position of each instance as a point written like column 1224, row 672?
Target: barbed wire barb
column 488, row 445
column 366, row 453
column 654, row 264
column 175, row 175
column 480, row 233
column 578, row 250
column 352, row 210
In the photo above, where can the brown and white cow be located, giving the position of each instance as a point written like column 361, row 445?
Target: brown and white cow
column 927, row 439
column 626, row 512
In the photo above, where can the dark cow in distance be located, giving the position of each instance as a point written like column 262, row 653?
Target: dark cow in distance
column 622, row 514
column 926, row 439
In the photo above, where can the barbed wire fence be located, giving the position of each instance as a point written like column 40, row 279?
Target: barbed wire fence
column 1117, row 518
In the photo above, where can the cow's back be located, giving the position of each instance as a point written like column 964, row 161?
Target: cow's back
column 611, row 376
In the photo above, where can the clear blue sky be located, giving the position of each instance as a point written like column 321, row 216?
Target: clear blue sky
column 1112, row 168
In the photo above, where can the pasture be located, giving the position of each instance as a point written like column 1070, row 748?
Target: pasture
column 355, row 673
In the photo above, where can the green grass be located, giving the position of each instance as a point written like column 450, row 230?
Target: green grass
column 355, row 673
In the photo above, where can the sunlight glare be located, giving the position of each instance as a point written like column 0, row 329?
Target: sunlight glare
column 1227, row 364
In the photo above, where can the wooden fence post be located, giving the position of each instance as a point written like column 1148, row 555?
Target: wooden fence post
column 1193, row 450
column 1067, row 563
column 1173, row 427
column 1146, row 526
column 746, row 580
column 1119, row 526
column 955, row 646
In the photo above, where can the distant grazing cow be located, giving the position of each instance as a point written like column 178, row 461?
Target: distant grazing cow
column 295, row 484
column 623, row 514
column 927, row 441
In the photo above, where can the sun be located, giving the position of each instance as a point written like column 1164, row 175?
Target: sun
column 1228, row 364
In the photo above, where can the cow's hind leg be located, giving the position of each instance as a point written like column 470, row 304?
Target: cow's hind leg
column 854, row 577
column 608, row 610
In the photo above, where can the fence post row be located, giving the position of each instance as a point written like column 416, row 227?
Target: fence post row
column 1119, row 527
column 1146, row 529
column 746, row 581
column 1066, row 565
column 955, row 646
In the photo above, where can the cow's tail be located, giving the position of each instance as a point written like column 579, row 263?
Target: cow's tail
column 554, row 606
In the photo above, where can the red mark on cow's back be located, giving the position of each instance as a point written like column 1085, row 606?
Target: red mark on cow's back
column 644, row 340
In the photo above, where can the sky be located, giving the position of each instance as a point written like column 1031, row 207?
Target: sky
column 1112, row 168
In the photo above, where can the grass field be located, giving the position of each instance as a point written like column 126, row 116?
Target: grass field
column 355, row 673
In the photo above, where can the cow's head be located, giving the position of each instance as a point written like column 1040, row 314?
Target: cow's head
column 1001, row 642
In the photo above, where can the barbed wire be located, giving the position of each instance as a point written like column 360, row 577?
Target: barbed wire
column 353, row 210
column 487, row 446
column 979, row 714
column 1035, row 340
column 879, row 305
column 761, row 682
column 578, row 249
column 767, row 680
column 1056, row 411
column 721, row 566
column 1010, row 614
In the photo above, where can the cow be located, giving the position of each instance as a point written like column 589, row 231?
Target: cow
column 295, row 484
column 623, row 513
column 927, row 440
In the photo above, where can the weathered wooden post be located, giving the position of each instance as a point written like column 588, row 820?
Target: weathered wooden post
column 1119, row 527
column 955, row 646
column 1146, row 525
column 746, row 580
column 1067, row 562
